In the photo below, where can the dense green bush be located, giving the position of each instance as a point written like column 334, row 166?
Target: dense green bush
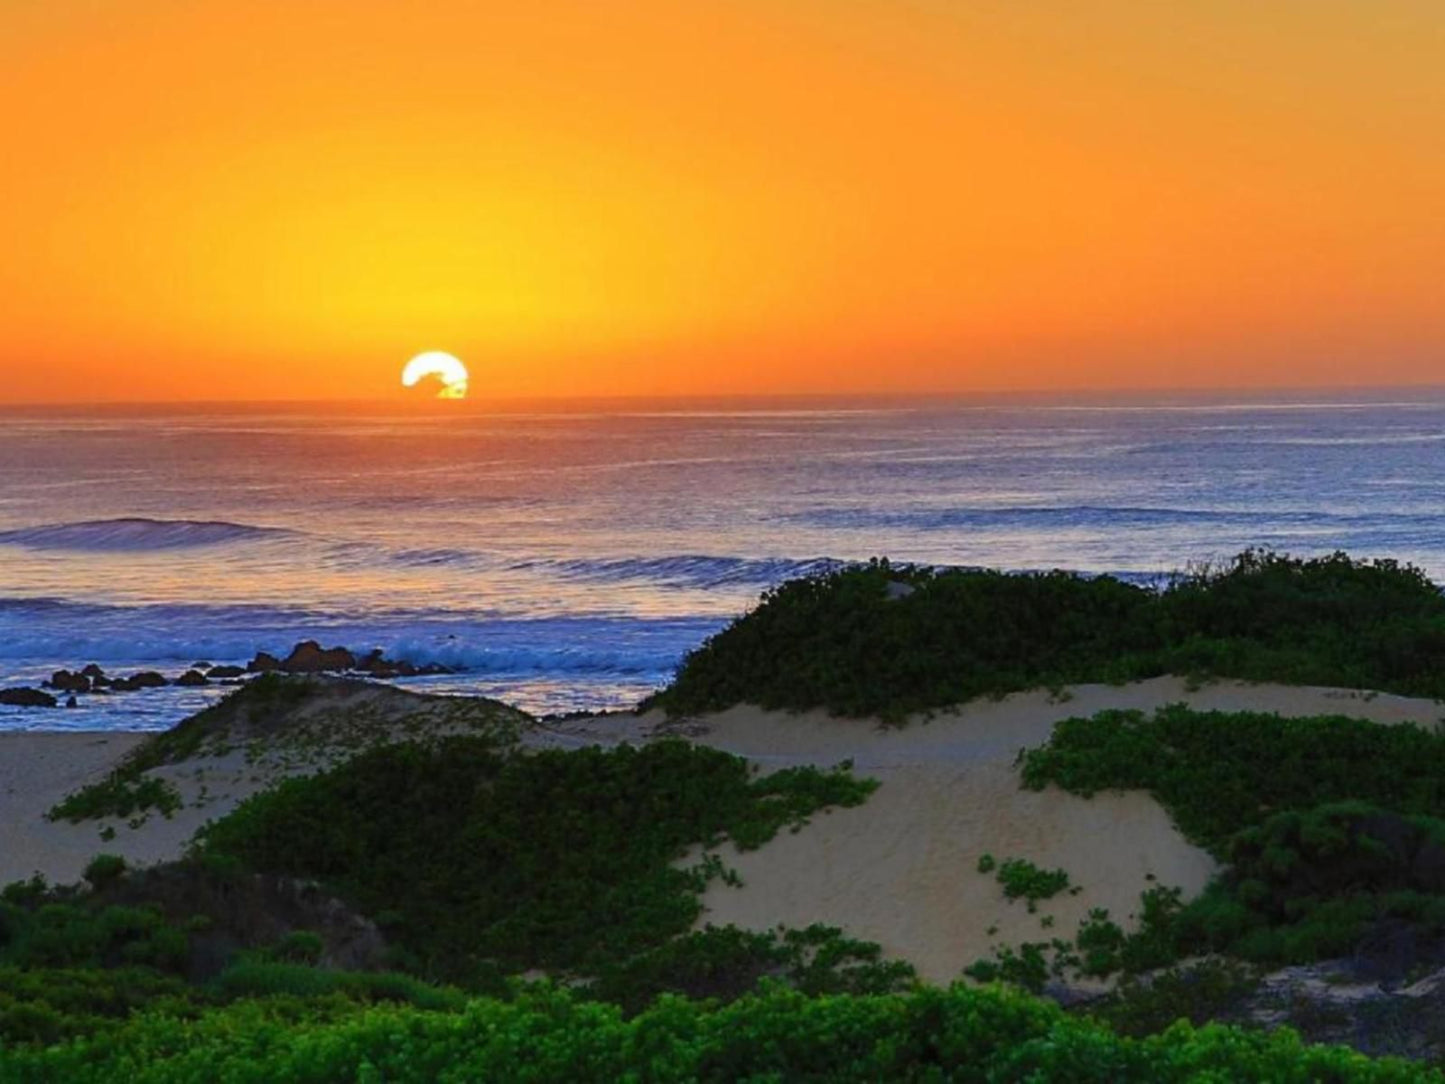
column 1333, row 831
column 482, row 862
column 104, row 870
column 931, row 1035
column 1201, row 992
column 844, row 642
column 726, row 962
column 1320, row 883
column 46, row 1005
column 1220, row 773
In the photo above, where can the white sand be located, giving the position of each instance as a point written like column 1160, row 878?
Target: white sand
column 899, row 870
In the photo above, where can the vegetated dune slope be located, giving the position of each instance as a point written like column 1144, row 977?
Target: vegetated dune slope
column 902, row 869
column 246, row 751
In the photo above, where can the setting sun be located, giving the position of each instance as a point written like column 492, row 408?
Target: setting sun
column 446, row 369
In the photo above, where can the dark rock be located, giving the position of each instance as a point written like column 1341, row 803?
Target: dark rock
column 27, row 698
column 67, row 682
column 146, row 679
column 70, row 702
column 218, row 672
column 93, row 672
column 263, row 663
column 192, row 678
column 378, row 666
column 200, row 666
column 309, row 657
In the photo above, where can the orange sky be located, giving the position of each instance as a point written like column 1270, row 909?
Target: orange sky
column 209, row 199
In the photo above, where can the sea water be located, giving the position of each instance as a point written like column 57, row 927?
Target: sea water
column 567, row 557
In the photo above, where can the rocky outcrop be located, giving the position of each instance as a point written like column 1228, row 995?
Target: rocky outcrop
column 263, row 663
column 378, row 666
column 220, row 673
column 66, row 682
column 309, row 657
column 1332, row 1002
column 27, row 698
column 192, row 678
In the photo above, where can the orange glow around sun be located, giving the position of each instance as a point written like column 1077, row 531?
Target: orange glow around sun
column 244, row 199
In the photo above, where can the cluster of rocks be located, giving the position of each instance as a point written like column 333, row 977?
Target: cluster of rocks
column 307, row 657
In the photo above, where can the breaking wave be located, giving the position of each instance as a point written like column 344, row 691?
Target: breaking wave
column 136, row 534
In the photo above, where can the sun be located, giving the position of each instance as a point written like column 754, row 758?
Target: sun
column 446, row 368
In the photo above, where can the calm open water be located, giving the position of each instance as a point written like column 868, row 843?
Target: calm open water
column 569, row 557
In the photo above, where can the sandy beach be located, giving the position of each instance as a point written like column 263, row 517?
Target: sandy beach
column 900, row 869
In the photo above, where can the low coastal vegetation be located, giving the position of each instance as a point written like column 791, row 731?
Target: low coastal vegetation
column 889, row 641
column 957, row 1034
column 441, row 903
column 1218, row 773
column 418, row 870
column 478, row 863
column 1331, row 832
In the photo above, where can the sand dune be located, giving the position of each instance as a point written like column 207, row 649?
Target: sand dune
column 899, row 870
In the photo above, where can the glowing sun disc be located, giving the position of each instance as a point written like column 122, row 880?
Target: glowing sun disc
column 446, row 368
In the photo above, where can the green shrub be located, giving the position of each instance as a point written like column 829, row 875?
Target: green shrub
column 558, row 860
column 104, row 869
column 49, row 1005
column 1220, row 773
column 1209, row 990
column 842, row 641
column 725, row 962
column 119, row 794
column 298, row 946
column 1021, row 879
column 927, row 1035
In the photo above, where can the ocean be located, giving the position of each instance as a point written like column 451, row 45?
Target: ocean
column 566, row 558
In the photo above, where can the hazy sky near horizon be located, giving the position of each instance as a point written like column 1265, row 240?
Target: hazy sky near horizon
column 227, row 199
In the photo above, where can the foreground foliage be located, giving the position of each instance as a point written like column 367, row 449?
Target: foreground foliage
column 929, row 1035
column 852, row 642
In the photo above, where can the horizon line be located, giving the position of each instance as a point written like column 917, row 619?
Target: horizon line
column 1252, row 391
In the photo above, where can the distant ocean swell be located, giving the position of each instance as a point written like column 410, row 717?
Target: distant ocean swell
column 136, row 534
column 1046, row 517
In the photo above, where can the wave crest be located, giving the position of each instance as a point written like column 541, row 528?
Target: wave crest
column 136, row 534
